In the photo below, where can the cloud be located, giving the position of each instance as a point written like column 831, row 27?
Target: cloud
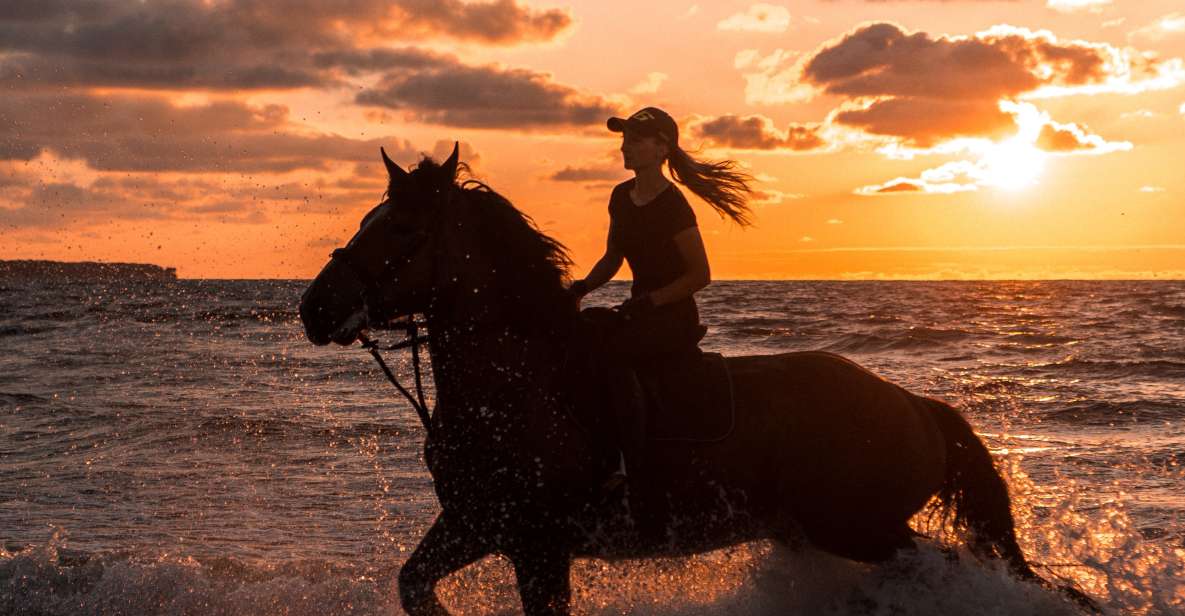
column 757, row 133
column 1065, row 138
column 60, row 204
column 917, row 93
column 454, row 94
column 144, row 133
column 497, row 21
column 651, row 85
column 923, row 89
column 1167, row 26
column 1077, row 6
column 594, row 173
column 758, row 18
column 1152, row 189
column 882, row 60
column 952, row 177
column 923, row 122
column 113, row 198
column 769, row 196
column 1009, row 164
column 773, row 79
column 235, row 44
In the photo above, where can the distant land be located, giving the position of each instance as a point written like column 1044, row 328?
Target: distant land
column 82, row 271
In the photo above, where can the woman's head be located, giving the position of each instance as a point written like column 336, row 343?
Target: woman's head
column 647, row 137
column 651, row 136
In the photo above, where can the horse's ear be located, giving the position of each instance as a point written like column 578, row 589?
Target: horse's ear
column 395, row 172
column 450, row 166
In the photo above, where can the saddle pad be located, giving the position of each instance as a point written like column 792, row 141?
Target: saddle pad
column 689, row 398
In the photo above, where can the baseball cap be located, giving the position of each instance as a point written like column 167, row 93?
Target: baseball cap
column 648, row 121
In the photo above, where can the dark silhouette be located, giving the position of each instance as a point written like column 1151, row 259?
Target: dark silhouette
column 654, row 229
column 821, row 448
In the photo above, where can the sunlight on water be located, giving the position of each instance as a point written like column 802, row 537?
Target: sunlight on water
column 1096, row 546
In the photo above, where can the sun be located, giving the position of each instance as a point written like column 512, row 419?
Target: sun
column 1012, row 165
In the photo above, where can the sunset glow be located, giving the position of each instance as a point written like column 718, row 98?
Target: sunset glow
column 1013, row 165
column 238, row 139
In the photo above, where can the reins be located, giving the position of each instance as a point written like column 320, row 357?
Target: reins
column 412, row 328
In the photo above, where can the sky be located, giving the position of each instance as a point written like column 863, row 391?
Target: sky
column 890, row 139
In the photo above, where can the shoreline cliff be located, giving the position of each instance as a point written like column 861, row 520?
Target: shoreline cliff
column 82, row 271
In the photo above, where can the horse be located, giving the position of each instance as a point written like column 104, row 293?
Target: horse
column 822, row 450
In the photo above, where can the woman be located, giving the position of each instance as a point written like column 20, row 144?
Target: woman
column 652, row 227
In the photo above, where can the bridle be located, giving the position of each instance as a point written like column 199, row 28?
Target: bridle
column 371, row 298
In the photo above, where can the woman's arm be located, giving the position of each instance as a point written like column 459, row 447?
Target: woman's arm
column 605, row 269
column 697, row 274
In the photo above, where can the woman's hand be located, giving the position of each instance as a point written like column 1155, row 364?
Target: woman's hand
column 636, row 307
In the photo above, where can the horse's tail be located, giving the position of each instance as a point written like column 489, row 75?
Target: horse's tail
column 974, row 495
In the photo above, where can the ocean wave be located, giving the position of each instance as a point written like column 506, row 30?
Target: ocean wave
column 1172, row 310
column 1154, row 368
column 1105, row 413
column 914, row 338
column 756, row 580
column 48, row 581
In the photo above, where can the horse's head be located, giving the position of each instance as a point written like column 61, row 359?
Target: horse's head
column 388, row 269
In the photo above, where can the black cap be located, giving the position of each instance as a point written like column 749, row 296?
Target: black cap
column 650, row 122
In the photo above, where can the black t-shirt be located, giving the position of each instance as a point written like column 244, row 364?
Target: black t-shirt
column 646, row 236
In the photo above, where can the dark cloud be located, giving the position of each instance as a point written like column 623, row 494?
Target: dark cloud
column 126, row 133
column 882, row 60
column 901, row 186
column 1053, row 139
column 927, row 121
column 455, row 94
column 357, row 61
column 925, row 88
column 497, row 22
column 235, row 44
column 758, row 133
column 589, row 174
column 62, row 204
column 1072, row 138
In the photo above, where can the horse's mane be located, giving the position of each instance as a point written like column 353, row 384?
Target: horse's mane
column 530, row 268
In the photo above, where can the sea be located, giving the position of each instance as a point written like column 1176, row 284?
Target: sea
column 181, row 448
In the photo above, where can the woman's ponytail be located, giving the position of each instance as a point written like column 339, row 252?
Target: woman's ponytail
column 716, row 183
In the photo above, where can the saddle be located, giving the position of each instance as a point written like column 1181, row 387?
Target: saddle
column 689, row 398
column 688, row 395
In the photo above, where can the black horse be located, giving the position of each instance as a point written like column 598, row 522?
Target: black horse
column 822, row 449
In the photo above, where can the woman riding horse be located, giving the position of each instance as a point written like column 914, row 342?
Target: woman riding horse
column 822, row 450
column 652, row 227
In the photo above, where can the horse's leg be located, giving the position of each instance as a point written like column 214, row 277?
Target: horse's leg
column 543, row 580
column 443, row 550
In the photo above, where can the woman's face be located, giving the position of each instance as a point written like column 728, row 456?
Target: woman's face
column 640, row 152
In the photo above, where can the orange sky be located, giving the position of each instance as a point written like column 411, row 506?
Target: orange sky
column 892, row 138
